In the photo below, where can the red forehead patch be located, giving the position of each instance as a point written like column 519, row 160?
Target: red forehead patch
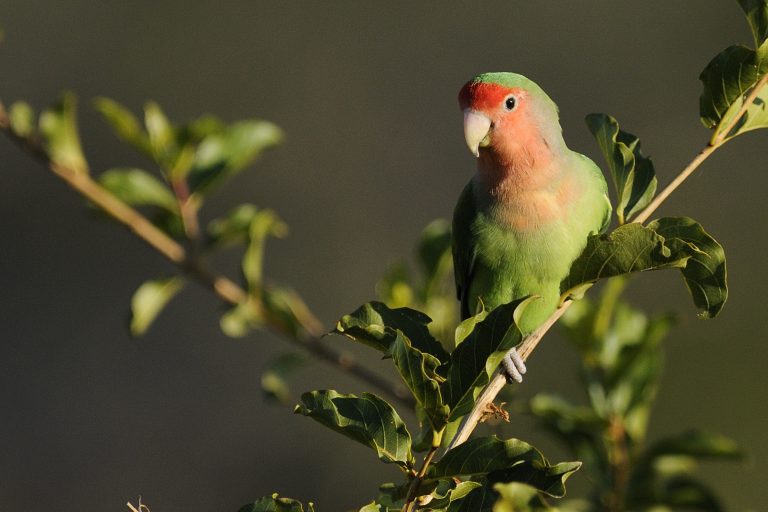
column 482, row 95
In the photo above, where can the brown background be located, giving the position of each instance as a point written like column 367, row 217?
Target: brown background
column 366, row 94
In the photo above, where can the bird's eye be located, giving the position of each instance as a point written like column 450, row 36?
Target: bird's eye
column 510, row 103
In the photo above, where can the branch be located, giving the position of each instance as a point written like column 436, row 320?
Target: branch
column 311, row 332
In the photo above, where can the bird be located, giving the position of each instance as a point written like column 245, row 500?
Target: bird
column 528, row 210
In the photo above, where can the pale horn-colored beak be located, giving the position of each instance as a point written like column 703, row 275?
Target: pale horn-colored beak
column 476, row 128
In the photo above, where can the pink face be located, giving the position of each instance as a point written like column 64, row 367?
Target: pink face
column 513, row 133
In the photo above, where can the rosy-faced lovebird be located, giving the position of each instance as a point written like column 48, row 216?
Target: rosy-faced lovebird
column 525, row 215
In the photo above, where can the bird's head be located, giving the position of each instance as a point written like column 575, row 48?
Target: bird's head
column 508, row 115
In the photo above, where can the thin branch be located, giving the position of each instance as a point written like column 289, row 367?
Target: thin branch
column 411, row 498
column 311, row 332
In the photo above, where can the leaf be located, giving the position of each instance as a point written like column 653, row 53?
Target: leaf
column 394, row 287
column 124, row 124
column 732, row 76
column 367, row 419
column 264, row 223
column 757, row 16
column 434, row 252
column 419, row 372
column 519, row 497
column 473, row 362
column 150, row 299
column 233, row 228
column 221, row 154
column 465, row 328
column 58, row 125
column 138, row 188
column 704, row 272
column 22, row 119
column 161, row 135
column 698, row 444
column 633, row 175
column 274, row 378
column 240, row 319
column 504, row 461
column 374, row 324
column 275, row 504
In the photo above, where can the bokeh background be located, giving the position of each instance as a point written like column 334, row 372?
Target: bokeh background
column 365, row 92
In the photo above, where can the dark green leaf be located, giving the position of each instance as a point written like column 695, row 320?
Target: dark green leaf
column 504, row 461
column 419, row 372
column 374, row 324
column 124, row 124
column 275, row 504
column 367, row 419
column 58, row 125
column 224, row 153
column 757, row 16
column 443, row 500
column 473, row 362
column 274, row 378
column 704, row 272
column 150, row 299
column 633, row 175
column 727, row 80
column 138, row 188
column 22, row 119
column 234, row 228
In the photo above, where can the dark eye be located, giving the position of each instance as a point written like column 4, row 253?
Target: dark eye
column 510, row 102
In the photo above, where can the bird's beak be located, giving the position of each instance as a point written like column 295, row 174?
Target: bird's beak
column 476, row 128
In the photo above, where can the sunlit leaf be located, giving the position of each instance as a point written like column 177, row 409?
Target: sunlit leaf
column 138, row 188
column 150, row 299
column 274, row 378
column 394, row 287
column 504, row 461
column 264, row 223
column 275, row 504
column 221, row 154
column 58, row 125
column 161, row 134
column 22, row 119
column 633, row 175
column 478, row 356
column 367, row 419
column 374, row 324
column 519, row 497
column 419, row 372
column 124, row 124
column 239, row 320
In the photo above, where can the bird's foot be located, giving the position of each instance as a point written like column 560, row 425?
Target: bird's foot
column 514, row 366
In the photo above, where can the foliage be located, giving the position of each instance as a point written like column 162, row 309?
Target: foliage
column 443, row 364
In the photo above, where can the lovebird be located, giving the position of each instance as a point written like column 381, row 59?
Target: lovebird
column 525, row 215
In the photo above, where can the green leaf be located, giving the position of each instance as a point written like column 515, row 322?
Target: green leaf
column 138, row 188
column 233, row 228
column 274, row 378
column 222, row 154
column 473, row 362
column 240, row 320
column 161, row 133
column 374, row 324
column 394, row 287
column 58, row 125
column 698, row 444
column 757, row 16
column 367, row 419
column 434, row 252
column 276, row 504
column 419, row 372
column 264, row 223
column 124, row 124
column 633, row 175
column 444, row 500
column 504, row 461
column 465, row 328
column 704, row 272
column 150, row 299
column 22, row 119
column 519, row 497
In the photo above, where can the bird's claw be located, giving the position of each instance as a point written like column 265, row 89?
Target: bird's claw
column 514, row 366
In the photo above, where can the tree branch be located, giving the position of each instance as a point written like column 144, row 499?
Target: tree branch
column 311, row 332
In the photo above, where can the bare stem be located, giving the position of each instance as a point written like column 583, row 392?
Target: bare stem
column 410, row 501
column 227, row 290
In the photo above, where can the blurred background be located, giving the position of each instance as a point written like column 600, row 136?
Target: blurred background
column 366, row 93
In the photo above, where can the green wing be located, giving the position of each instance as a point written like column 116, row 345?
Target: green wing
column 463, row 245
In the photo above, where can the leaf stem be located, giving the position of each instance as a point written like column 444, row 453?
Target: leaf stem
column 309, row 337
column 410, row 501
